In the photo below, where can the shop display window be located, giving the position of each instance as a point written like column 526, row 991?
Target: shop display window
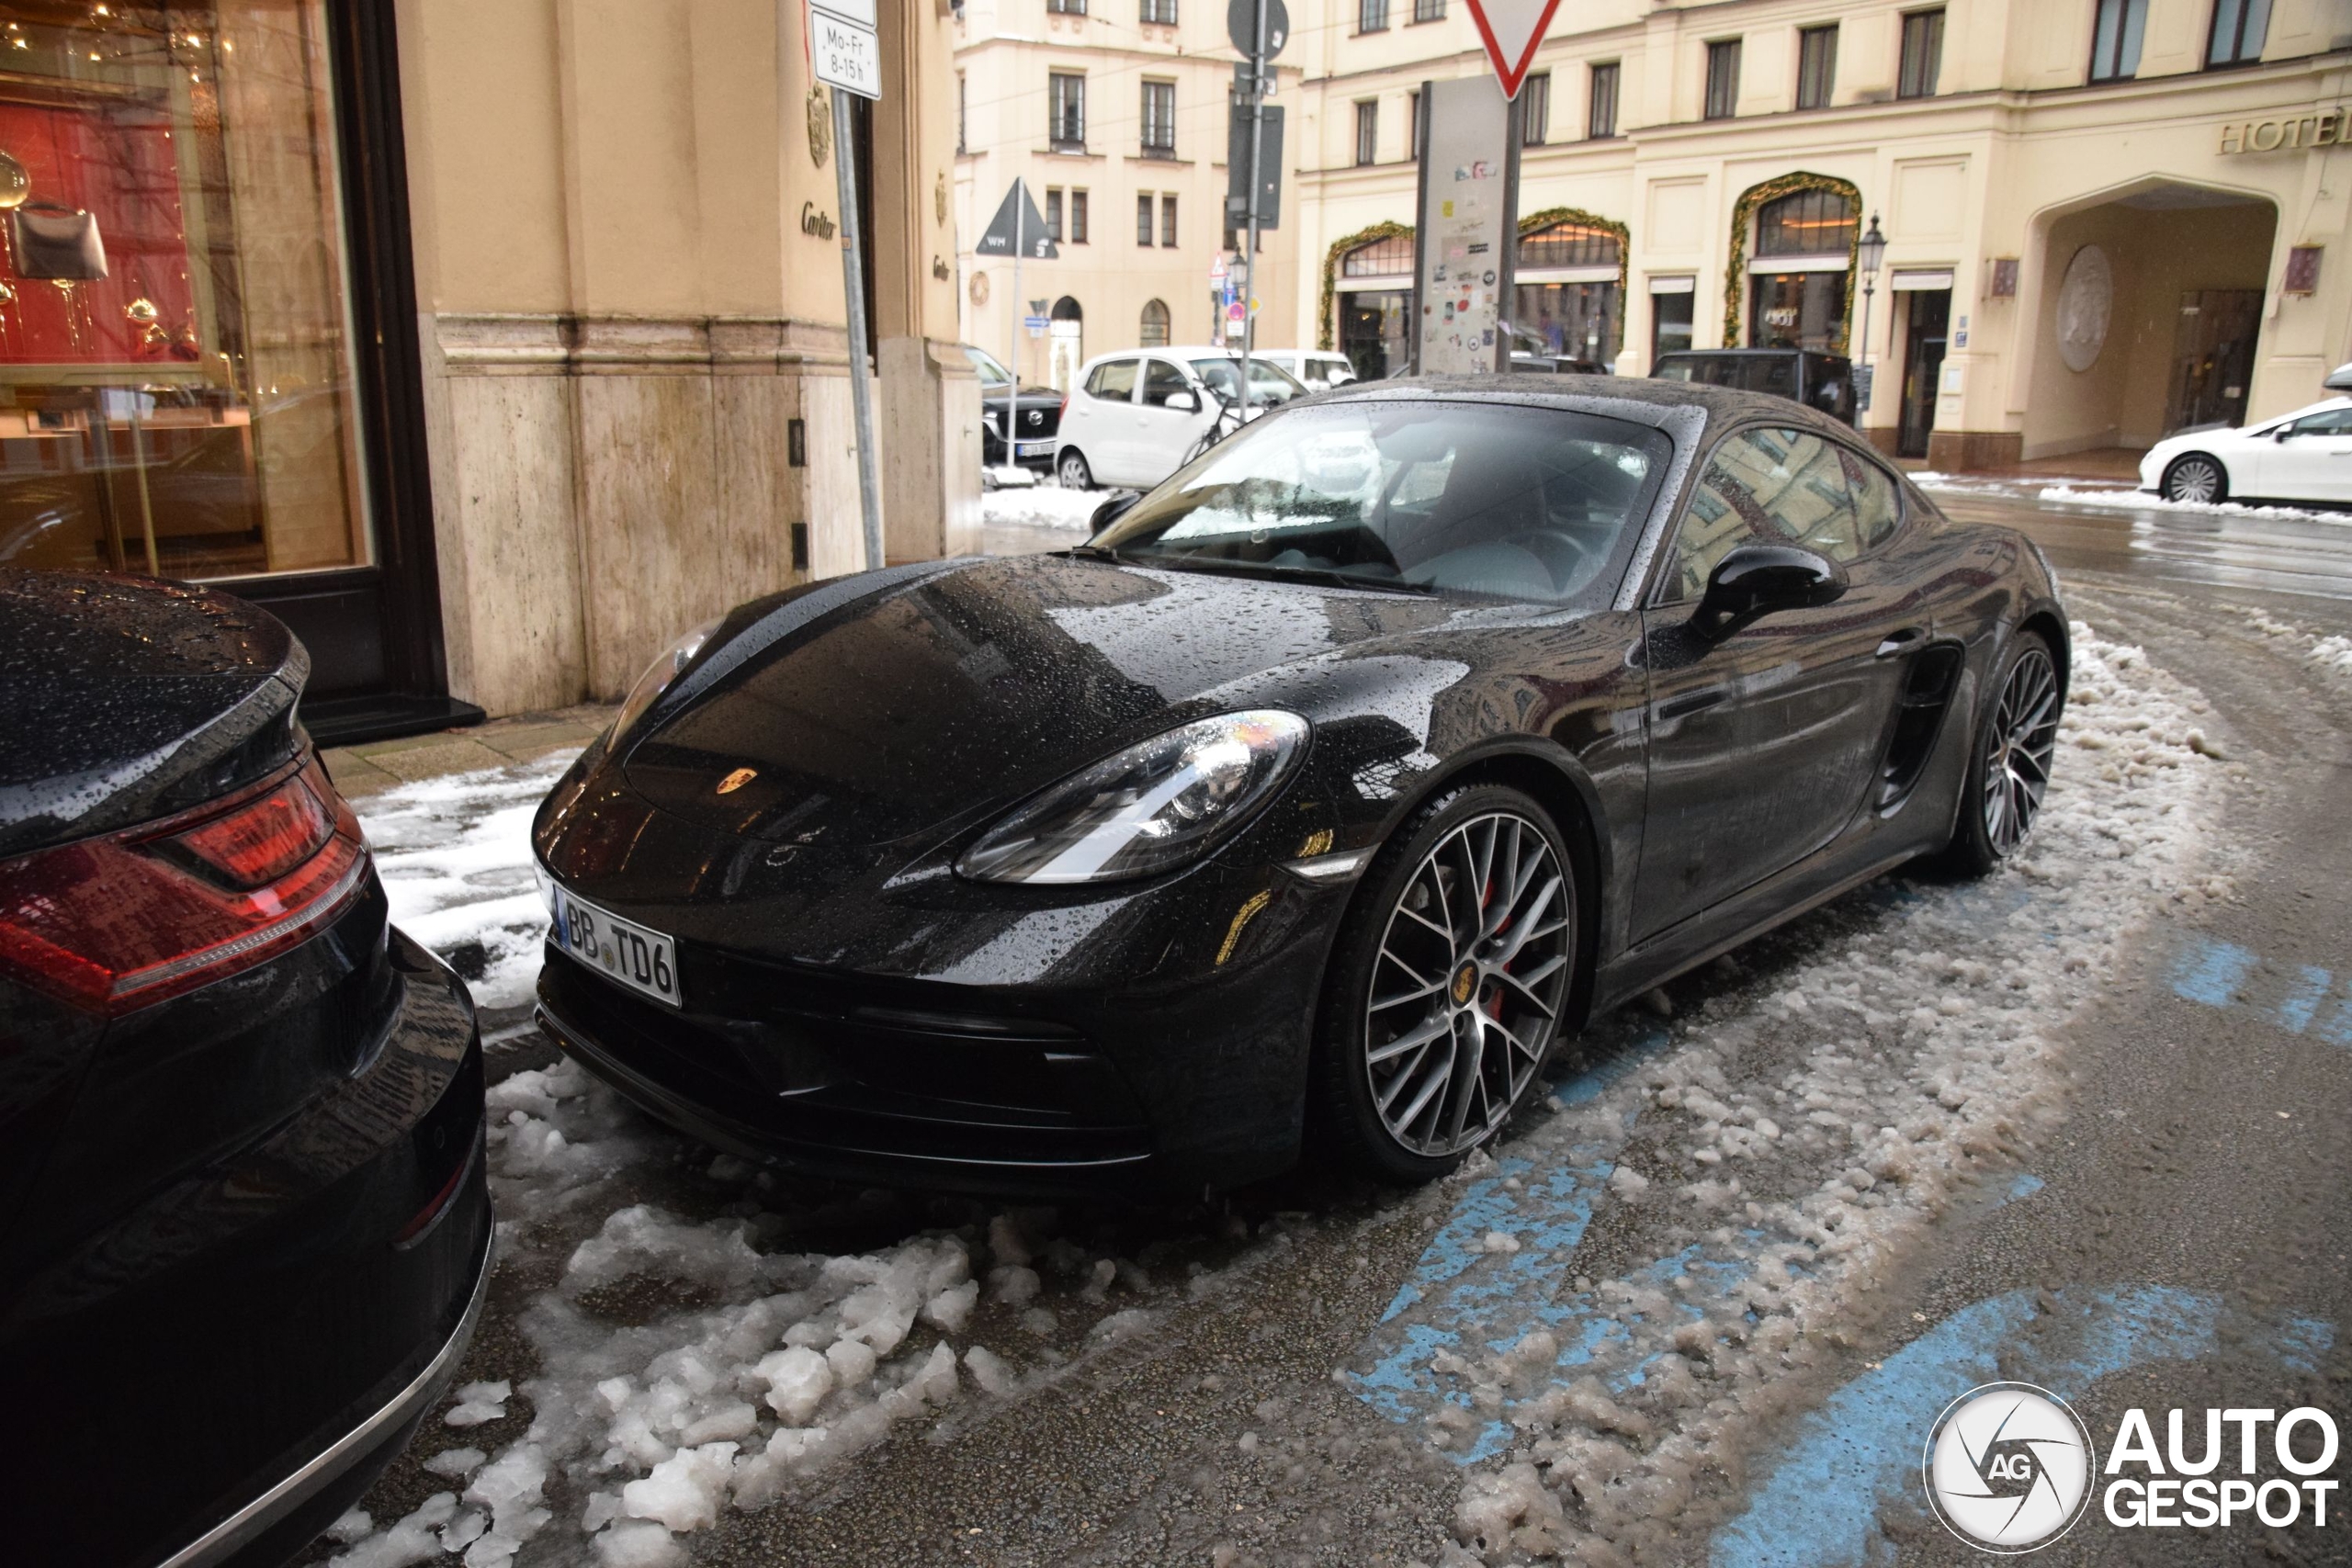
column 176, row 384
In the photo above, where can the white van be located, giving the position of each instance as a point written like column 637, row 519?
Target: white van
column 1138, row 414
column 1319, row 369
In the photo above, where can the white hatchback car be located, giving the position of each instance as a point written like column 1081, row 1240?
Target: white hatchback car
column 2303, row 456
column 1139, row 414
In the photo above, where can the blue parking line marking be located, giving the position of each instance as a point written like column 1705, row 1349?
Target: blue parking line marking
column 2223, row 975
column 2211, row 971
column 1817, row 1506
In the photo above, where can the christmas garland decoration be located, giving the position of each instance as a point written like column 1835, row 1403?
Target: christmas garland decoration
column 1743, row 214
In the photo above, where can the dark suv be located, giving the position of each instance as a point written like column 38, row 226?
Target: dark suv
column 1821, row 381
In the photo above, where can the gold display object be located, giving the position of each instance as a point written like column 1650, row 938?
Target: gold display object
column 821, row 126
column 15, row 184
column 142, row 310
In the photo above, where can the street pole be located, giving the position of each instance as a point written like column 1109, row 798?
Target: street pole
column 861, row 376
column 1257, row 132
column 1014, row 307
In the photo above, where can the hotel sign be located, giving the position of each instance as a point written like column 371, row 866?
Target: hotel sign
column 2321, row 127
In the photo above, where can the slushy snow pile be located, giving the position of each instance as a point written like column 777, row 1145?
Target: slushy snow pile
column 2136, row 499
column 646, row 1428
column 1042, row 506
column 454, row 854
column 1906, row 1060
column 2333, row 654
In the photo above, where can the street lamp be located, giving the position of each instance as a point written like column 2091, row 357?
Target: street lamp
column 1872, row 254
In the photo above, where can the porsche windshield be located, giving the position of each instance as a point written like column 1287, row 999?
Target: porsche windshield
column 1500, row 500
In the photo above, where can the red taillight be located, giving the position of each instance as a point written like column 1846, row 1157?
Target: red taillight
column 118, row 923
column 1062, row 411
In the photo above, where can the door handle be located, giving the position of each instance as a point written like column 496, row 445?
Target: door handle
column 1902, row 642
column 1692, row 702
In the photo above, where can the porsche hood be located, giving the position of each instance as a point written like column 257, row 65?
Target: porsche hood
column 937, row 694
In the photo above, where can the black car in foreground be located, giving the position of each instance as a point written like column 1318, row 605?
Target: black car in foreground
column 1323, row 792
column 245, row 1228
column 1035, row 412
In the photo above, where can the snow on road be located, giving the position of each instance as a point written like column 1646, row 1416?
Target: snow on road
column 711, row 1335
column 2094, row 492
column 1042, row 506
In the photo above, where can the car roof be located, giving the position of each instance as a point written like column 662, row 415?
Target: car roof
column 1638, row 398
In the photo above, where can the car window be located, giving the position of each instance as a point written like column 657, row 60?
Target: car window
column 1162, row 381
column 1515, row 503
column 1774, row 487
column 1878, row 505
column 993, row 373
column 1113, row 381
column 2327, row 421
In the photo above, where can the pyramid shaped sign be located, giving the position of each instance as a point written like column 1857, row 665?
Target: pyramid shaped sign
column 1511, row 29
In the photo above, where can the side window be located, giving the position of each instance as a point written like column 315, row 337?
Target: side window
column 1161, row 381
column 1114, row 381
column 2328, row 422
column 1878, row 505
column 1773, row 486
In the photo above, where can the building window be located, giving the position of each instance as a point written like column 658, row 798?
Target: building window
column 1367, row 133
column 1535, row 113
column 1152, row 331
column 1923, row 54
column 1077, row 218
column 1671, row 319
column 1160, row 11
column 1809, row 223
column 1371, row 15
column 1723, row 78
column 2115, row 39
column 2239, row 28
column 1167, row 221
column 1568, row 244
column 1067, row 7
column 1142, row 219
column 1412, row 126
column 1067, row 130
column 1054, row 213
column 178, row 394
column 1429, row 10
column 1816, row 66
column 963, row 123
column 1600, row 118
column 1160, row 120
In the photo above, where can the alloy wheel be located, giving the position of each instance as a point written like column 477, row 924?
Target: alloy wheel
column 2197, row 480
column 1074, row 473
column 1468, row 984
column 2016, row 765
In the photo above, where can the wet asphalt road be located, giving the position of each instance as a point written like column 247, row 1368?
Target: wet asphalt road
column 2206, row 1148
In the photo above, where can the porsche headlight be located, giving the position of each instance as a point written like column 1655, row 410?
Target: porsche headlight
column 1150, row 807
column 666, row 666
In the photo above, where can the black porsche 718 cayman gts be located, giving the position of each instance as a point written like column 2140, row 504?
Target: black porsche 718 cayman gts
column 244, row 1224
column 1326, row 789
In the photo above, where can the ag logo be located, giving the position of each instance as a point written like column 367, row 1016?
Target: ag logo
column 2008, row 1467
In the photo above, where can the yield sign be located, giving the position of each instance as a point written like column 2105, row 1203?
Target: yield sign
column 1511, row 30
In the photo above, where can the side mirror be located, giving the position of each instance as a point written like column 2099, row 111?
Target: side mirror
column 1754, row 580
column 1112, row 510
column 2283, row 432
column 1185, row 402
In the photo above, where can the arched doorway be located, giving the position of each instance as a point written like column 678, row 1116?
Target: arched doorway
column 1368, row 279
column 1066, row 344
column 2142, row 313
column 1569, row 284
column 1151, row 331
column 1800, row 276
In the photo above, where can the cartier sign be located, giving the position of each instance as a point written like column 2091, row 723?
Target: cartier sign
column 2321, row 127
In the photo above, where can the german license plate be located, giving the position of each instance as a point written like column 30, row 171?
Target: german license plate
column 1033, row 448
column 637, row 956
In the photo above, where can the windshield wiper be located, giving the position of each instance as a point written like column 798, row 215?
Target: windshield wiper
column 1264, row 571
column 1091, row 552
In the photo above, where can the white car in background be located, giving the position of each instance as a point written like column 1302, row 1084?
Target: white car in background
column 1138, row 415
column 1317, row 369
column 2303, row 456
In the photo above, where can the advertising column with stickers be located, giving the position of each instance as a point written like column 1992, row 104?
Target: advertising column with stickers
column 1469, row 180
